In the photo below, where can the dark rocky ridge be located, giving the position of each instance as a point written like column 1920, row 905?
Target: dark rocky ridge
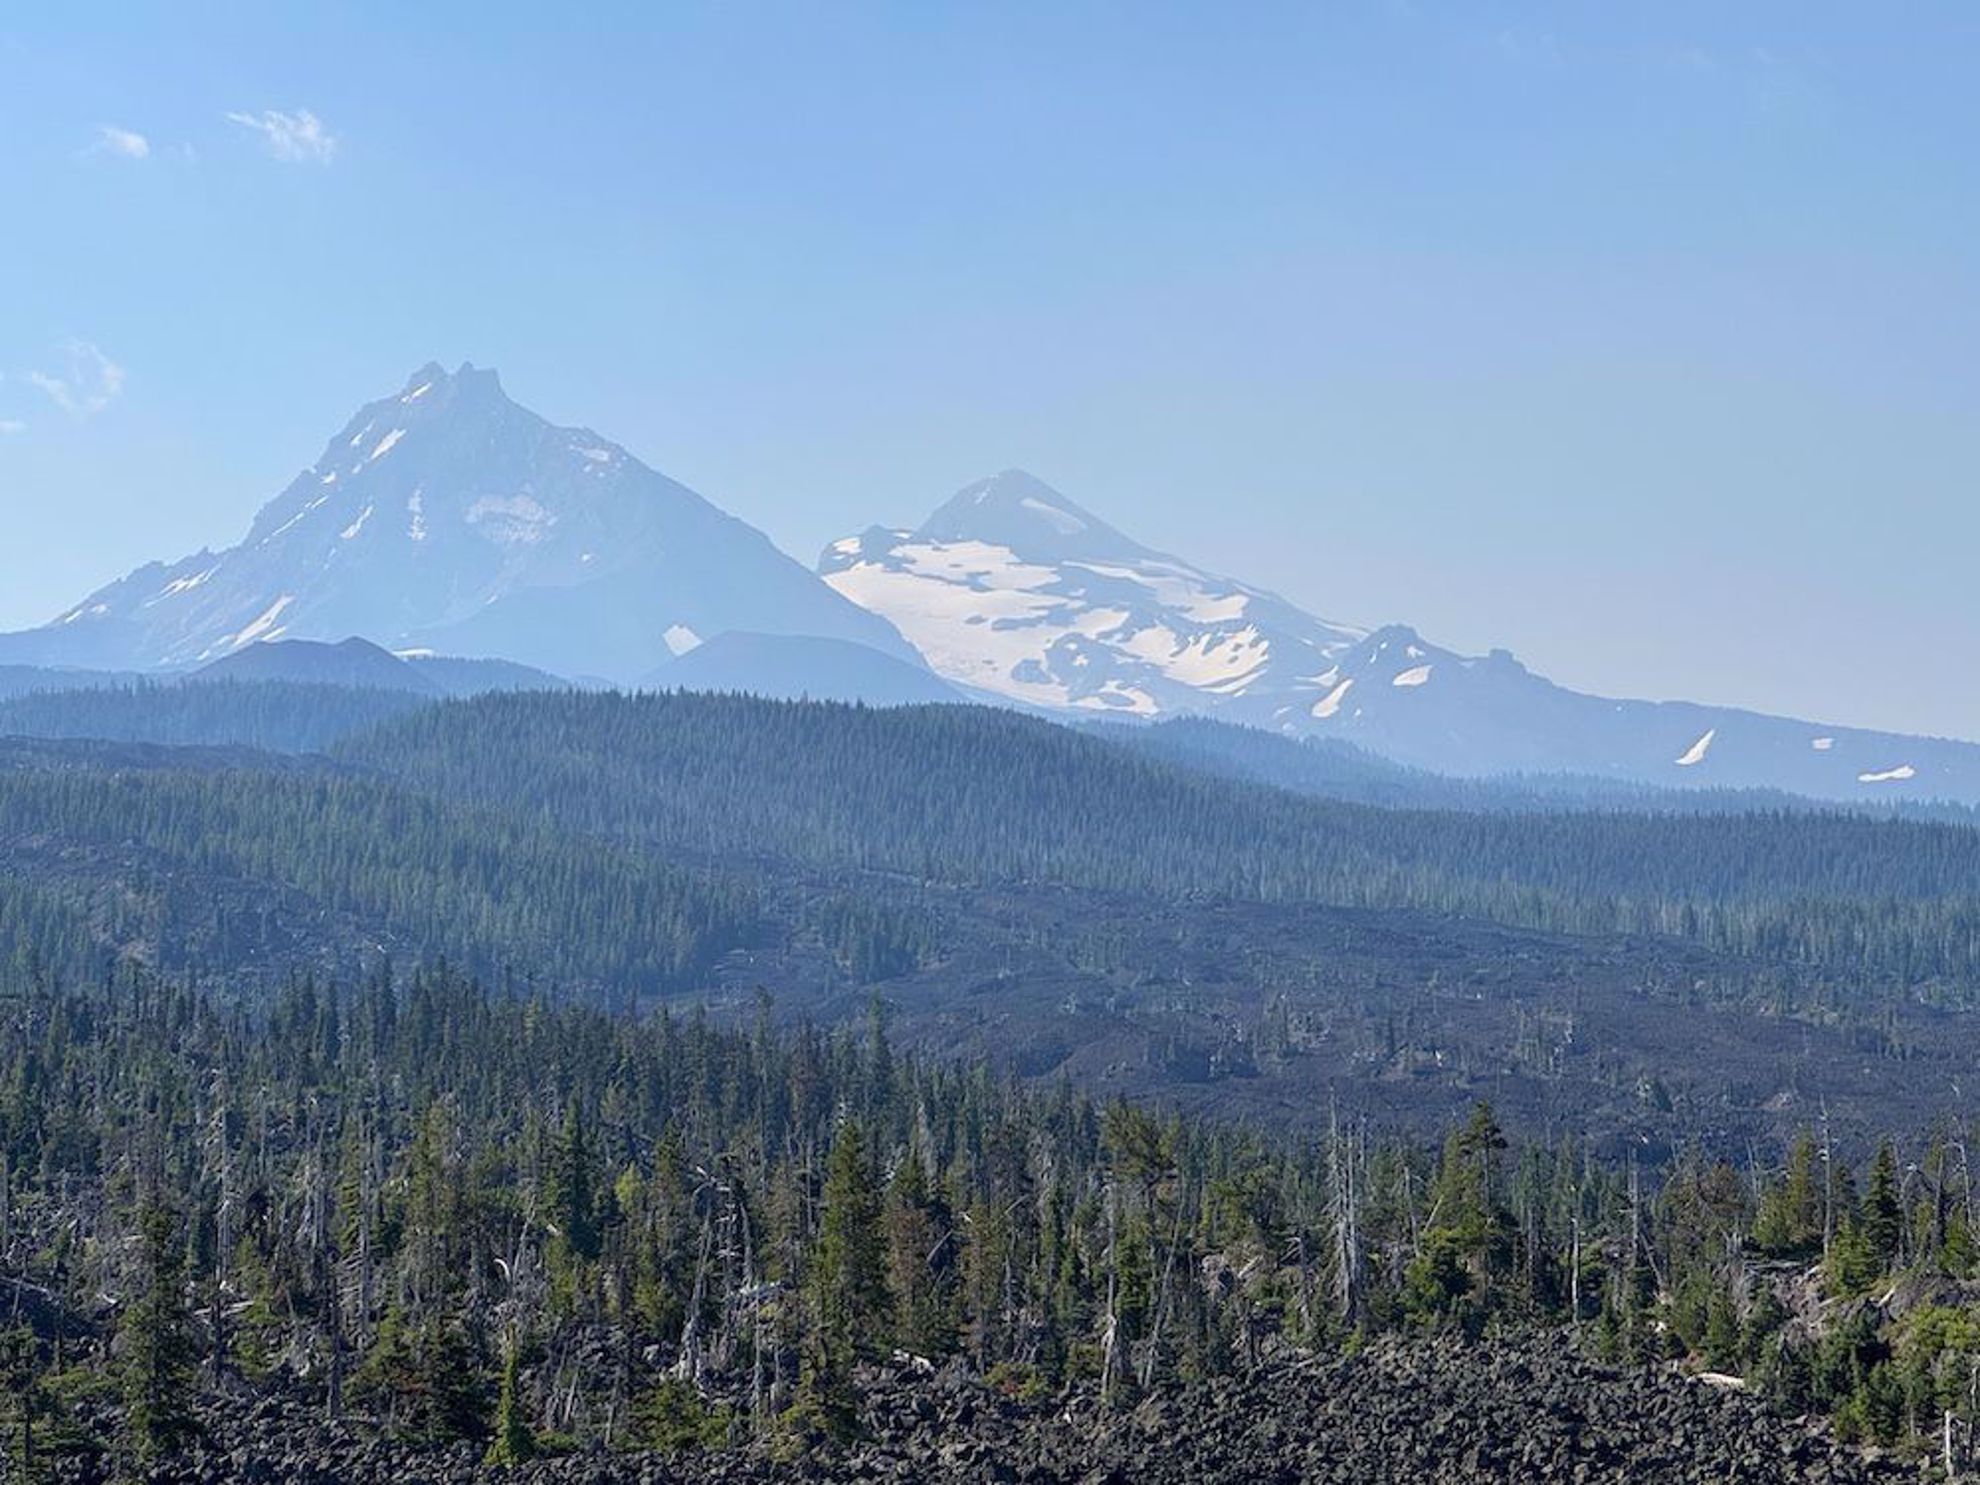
column 1534, row 1412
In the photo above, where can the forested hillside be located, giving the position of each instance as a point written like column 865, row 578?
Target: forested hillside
column 1056, row 903
column 736, row 1044
column 276, row 716
column 539, row 1227
column 245, row 873
column 970, row 795
column 20, row 680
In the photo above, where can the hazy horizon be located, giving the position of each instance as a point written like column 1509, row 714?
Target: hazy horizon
column 1636, row 345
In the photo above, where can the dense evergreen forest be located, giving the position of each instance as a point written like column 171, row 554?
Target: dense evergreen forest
column 578, row 1181
column 483, row 888
column 277, row 716
column 964, row 794
column 541, row 1227
column 1060, row 903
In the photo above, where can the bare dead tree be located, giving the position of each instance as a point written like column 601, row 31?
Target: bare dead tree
column 1346, row 1212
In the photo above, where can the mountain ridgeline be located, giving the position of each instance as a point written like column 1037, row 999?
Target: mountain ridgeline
column 977, row 795
column 446, row 517
column 446, row 520
column 1016, row 591
column 460, row 1066
column 624, row 845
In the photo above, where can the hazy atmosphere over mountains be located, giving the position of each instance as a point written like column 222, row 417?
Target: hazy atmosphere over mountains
column 1140, row 745
column 1662, row 401
column 446, row 518
column 1014, row 589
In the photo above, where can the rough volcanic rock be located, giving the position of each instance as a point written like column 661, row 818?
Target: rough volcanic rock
column 1428, row 1412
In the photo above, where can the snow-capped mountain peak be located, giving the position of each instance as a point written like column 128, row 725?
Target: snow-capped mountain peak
column 447, row 517
column 1021, row 512
column 440, row 425
column 1015, row 590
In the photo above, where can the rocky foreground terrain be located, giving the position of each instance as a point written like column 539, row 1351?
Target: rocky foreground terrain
column 1524, row 1412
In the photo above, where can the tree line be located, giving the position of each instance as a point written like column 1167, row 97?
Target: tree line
column 248, row 871
column 624, row 843
column 971, row 795
column 276, row 716
column 464, row 1213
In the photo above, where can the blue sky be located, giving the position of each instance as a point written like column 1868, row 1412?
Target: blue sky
column 1638, row 339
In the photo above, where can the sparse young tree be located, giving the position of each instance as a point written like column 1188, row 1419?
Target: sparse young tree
column 156, row 1337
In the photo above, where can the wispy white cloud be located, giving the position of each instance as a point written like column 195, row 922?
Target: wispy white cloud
column 126, row 144
column 298, row 137
column 88, row 382
column 11, row 426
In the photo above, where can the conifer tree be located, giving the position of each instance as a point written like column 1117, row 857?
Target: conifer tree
column 156, row 1336
column 1883, row 1211
column 847, row 1289
column 513, row 1442
column 919, row 1263
column 1789, row 1221
column 848, row 1277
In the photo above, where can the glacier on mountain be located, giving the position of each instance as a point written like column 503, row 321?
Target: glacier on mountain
column 1013, row 590
column 520, row 540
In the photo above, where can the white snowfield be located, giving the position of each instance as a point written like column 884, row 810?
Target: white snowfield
column 1889, row 775
column 182, row 585
column 1329, row 704
column 1014, row 591
column 983, row 615
column 516, row 521
column 264, row 627
column 1695, row 754
column 446, row 517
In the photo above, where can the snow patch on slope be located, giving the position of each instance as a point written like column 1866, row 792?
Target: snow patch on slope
column 297, row 519
column 516, row 521
column 1120, row 629
column 975, row 611
column 1329, row 704
column 182, row 585
column 1695, row 754
column 263, row 627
